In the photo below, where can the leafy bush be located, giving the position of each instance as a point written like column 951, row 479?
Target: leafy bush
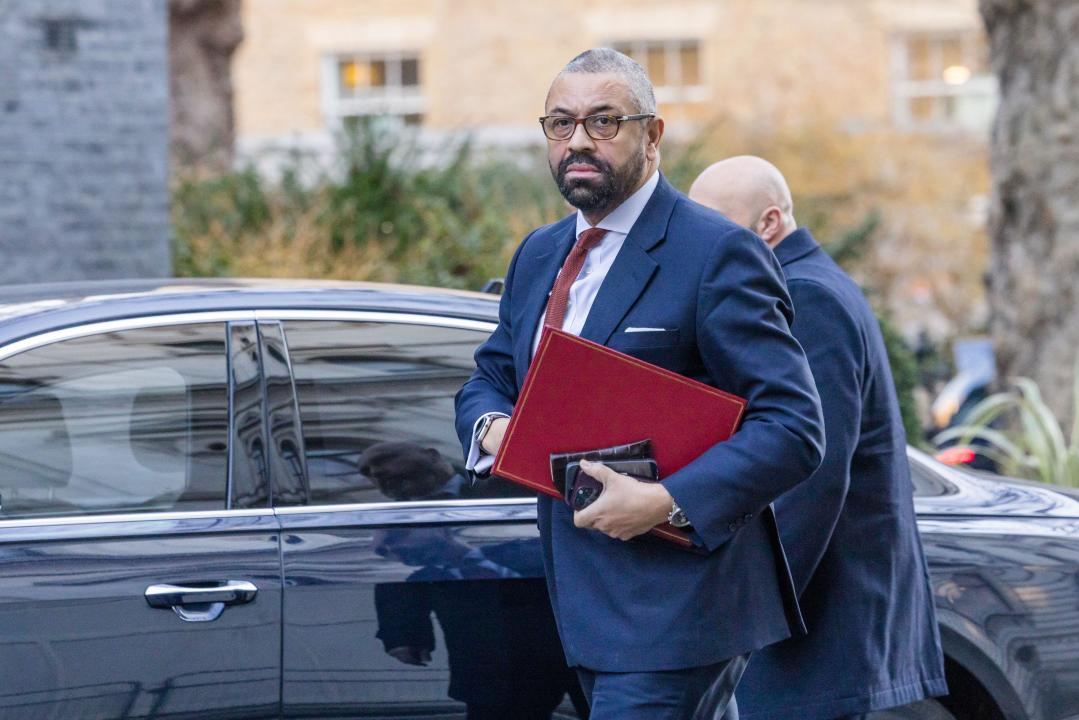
column 1031, row 442
column 383, row 212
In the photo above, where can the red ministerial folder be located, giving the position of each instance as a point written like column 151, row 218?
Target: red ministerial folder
column 580, row 395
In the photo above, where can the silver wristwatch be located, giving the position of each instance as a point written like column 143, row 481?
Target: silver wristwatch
column 676, row 517
column 485, row 425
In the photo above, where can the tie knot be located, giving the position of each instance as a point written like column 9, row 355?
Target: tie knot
column 590, row 238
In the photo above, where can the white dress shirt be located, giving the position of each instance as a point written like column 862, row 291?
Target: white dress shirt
column 583, row 292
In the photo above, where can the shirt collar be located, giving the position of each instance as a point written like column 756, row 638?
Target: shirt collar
column 622, row 218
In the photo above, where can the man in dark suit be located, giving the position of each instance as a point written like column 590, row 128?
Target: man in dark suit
column 849, row 530
column 643, row 270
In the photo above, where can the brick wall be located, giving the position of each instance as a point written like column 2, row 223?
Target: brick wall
column 83, row 140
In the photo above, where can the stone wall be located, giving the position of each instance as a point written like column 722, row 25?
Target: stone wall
column 83, row 140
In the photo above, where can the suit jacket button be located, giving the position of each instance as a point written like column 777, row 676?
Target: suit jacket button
column 747, row 517
column 733, row 526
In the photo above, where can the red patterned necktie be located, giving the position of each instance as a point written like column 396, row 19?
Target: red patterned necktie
column 556, row 305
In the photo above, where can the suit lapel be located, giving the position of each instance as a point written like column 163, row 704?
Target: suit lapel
column 543, row 274
column 633, row 268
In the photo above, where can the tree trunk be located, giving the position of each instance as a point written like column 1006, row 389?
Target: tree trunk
column 203, row 34
column 1033, row 274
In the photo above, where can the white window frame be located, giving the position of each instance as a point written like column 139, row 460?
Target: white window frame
column 672, row 91
column 393, row 99
column 905, row 89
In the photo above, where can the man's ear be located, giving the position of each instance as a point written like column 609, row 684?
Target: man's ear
column 770, row 225
column 655, row 134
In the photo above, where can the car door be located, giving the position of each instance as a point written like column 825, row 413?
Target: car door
column 139, row 556
column 410, row 591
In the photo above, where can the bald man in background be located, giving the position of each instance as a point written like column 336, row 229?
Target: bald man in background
column 849, row 531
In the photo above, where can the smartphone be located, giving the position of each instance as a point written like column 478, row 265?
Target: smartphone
column 582, row 489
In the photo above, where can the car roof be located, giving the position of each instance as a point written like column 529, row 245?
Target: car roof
column 26, row 310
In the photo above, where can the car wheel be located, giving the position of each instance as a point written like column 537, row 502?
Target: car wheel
column 923, row 710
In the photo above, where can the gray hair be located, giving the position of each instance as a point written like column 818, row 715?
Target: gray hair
column 608, row 60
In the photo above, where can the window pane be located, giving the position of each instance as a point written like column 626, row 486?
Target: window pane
column 919, row 58
column 126, row 421
column 691, row 63
column 656, row 64
column 923, row 109
column 377, row 75
column 410, row 72
column 951, row 51
column 349, row 75
column 376, row 405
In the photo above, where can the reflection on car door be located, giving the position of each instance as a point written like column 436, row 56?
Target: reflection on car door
column 139, row 560
column 410, row 590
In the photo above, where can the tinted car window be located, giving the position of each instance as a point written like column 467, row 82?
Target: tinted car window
column 124, row 421
column 376, row 406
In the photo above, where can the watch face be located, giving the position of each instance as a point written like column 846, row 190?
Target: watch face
column 484, row 427
column 677, row 518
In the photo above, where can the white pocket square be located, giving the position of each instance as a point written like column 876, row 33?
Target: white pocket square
column 644, row 329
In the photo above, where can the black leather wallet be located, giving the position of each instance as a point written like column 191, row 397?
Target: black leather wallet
column 637, row 451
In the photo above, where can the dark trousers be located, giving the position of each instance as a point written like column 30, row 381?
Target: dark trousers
column 699, row 693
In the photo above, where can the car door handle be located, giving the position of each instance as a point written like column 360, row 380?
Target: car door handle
column 211, row 598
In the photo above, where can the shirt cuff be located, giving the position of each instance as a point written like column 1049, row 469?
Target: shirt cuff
column 479, row 461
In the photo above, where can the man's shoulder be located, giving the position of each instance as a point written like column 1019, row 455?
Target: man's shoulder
column 819, row 287
column 699, row 232
column 554, row 229
column 689, row 214
column 819, row 278
column 538, row 242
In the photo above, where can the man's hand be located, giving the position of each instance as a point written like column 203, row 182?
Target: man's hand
column 493, row 439
column 410, row 655
column 626, row 508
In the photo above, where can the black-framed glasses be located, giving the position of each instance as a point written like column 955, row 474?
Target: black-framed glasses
column 598, row 127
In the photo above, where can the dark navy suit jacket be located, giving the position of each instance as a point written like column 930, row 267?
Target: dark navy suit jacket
column 717, row 294
column 849, row 530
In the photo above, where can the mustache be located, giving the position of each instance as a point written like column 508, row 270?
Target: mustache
column 581, row 159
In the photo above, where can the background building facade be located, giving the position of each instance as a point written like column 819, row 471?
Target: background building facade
column 310, row 66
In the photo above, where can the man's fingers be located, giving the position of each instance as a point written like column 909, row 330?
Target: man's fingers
column 598, row 470
column 585, row 518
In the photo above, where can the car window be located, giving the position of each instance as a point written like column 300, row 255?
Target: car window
column 125, row 421
column 376, row 406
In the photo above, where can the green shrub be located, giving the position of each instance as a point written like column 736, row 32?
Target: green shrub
column 384, row 212
column 1031, row 443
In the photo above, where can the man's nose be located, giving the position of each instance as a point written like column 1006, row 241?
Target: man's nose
column 580, row 140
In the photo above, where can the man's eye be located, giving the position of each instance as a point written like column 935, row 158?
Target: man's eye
column 561, row 123
column 603, row 120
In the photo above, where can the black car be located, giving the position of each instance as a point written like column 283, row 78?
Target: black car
column 246, row 499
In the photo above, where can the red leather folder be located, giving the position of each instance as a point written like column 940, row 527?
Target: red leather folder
column 580, row 395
